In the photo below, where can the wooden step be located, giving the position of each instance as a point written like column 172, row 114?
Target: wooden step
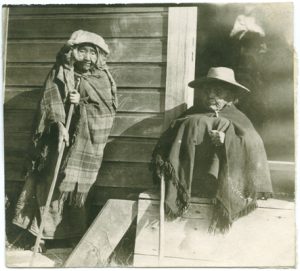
column 265, row 237
column 104, row 234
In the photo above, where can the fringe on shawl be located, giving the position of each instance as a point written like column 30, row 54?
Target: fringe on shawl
column 74, row 198
column 182, row 202
column 222, row 221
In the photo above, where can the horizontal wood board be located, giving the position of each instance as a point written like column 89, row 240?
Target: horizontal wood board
column 130, row 100
column 83, row 9
column 137, row 38
column 109, row 25
column 126, row 75
column 121, row 50
column 125, row 124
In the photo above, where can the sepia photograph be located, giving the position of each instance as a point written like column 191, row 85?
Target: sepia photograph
column 149, row 135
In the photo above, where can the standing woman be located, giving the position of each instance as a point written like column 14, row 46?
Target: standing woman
column 79, row 76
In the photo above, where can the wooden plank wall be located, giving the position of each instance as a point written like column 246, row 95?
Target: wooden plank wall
column 137, row 37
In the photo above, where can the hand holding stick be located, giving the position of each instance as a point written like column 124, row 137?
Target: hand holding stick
column 49, row 198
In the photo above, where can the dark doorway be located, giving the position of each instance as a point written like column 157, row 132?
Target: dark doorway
column 262, row 58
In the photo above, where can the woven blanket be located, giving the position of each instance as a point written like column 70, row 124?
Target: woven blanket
column 239, row 166
column 90, row 127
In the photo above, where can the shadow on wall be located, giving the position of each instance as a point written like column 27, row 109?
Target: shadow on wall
column 136, row 134
column 19, row 122
column 16, row 141
column 263, row 61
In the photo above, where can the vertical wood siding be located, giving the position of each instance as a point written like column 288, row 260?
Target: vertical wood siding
column 137, row 37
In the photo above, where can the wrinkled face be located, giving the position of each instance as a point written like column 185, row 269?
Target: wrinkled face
column 86, row 57
column 215, row 96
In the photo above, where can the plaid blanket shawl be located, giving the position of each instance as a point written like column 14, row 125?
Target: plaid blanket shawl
column 240, row 166
column 90, row 127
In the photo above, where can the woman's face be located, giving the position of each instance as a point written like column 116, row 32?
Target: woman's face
column 215, row 96
column 86, row 57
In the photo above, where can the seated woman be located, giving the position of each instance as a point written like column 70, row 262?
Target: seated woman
column 213, row 147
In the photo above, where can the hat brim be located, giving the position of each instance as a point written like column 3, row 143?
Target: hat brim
column 204, row 80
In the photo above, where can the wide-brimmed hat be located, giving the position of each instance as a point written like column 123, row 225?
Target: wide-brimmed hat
column 220, row 74
column 81, row 36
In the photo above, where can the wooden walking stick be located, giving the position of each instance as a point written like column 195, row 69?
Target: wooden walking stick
column 162, row 219
column 49, row 198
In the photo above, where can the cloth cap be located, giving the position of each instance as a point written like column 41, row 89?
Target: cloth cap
column 220, row 74
column 81, row 36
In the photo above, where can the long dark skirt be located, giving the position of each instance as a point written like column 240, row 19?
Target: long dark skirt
column 62, row 221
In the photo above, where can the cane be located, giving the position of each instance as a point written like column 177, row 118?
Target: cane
column 49, row 198
column 162, row 220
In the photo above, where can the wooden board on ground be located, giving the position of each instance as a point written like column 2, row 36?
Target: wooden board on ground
column 58, row 255
column 263, row 238
column 21, row 258
column 104, row 234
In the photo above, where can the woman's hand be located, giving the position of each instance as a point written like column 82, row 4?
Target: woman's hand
column 63, row 135
column 74, row 97
column 217, row 137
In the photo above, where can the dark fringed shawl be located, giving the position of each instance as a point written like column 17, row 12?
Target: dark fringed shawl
column 243, row 170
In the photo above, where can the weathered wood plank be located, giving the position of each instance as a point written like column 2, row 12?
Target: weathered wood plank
column 181, row 60
column 137, row 175
column 135, row 125
column 141, row 260
column 83, row 9
column 130, row 100
column 282, row 165
column 283, row 181
column 59, row 255
column 103, row 235
column 99, row 195
column 154, row 195
column 107, row 25
column 116, row 150
column 121, row 50
column 138, row 75
column 282, row 146
column 276, row 204
column 5, row 19
column 18, row 120
column 20, row 259
column 17, row 143
column 188, row 238
column 14, row 169
column 125, row 175
column 111, row 174
column 272, row 203
column 151, row 208
column 130, row 150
